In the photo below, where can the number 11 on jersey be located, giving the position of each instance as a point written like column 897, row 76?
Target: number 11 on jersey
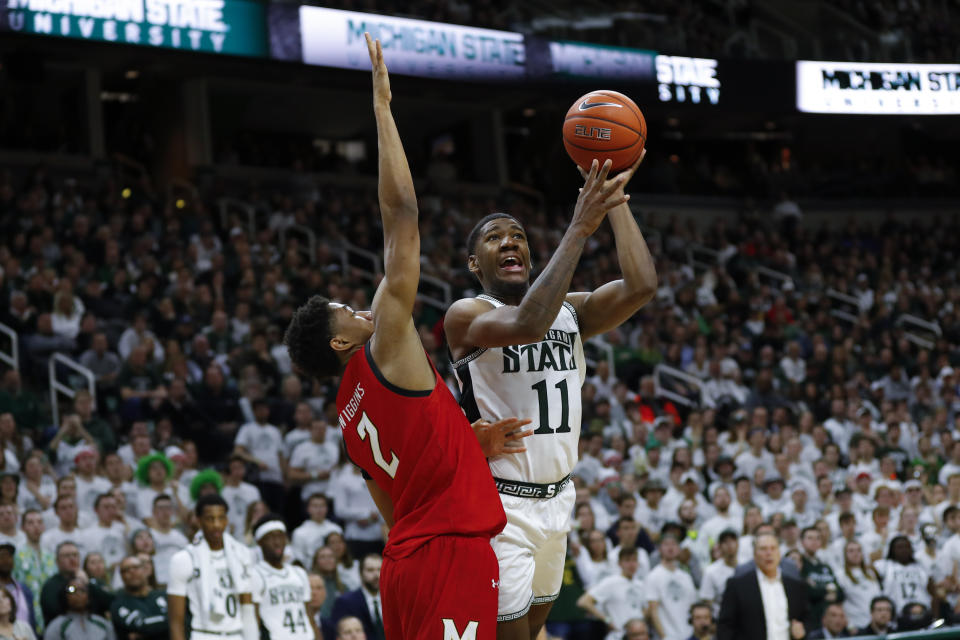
column 366, row 427
column 544, row 402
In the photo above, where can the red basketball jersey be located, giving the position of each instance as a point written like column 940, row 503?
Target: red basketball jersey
column 418, row 447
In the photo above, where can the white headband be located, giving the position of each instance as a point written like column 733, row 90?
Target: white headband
column 268, row 527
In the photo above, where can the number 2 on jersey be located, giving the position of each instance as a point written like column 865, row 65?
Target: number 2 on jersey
column 543, row 400
column 364, row 428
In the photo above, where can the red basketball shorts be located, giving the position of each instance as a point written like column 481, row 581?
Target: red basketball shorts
column 446, row 590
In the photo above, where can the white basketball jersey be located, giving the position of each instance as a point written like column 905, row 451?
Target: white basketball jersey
column 540, row 381
column 281, row 596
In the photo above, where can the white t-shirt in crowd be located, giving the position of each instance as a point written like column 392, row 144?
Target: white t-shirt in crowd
column 315, row 456
column 352, row 502
column 166, row 545
column 714, row 582
column 110, row 542
column 675, row 591
column 857, row 595
column 264, row 442
column 146, row 496
column 26, row 500
column 50, row 538
column 239, row 499
column 88, row 490
column 620, row 599
column 18, row 539
column 309, row 537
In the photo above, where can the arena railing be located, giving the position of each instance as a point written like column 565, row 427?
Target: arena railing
column 662, row 388
column 441, row 287
column 370, row 272
column 245, row 208
column 59, row 387
column 605, row 350
column 940, row 633
column 773, row 274
column 11, row 358
column 846, row 314
column 310, row 250
column 697, row 251
column 930, row 327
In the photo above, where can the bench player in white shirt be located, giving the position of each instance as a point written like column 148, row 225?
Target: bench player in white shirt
column 211, row 573
column 518, row 351
column 280, row 590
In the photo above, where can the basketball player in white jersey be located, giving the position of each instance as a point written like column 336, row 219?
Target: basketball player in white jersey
column 212, row 574
column 280, row 590
column 518, row 351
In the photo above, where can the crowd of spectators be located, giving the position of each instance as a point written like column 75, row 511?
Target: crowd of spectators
column 837, row 432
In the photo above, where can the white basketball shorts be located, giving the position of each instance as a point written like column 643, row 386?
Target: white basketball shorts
column 531, row 550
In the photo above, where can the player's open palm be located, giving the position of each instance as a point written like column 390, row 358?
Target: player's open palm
column 621, row 179
column 597, row 197
column 501, row 437
column 381, row 79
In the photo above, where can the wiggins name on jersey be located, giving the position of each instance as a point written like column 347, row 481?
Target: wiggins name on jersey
column 540, row 381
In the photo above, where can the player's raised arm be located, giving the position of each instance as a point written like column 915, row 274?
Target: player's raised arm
column 613, row 303
column 472, row 324
column 399, row 353
column 398, row 200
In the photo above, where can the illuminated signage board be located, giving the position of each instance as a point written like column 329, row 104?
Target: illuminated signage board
column 878, row 88
column 588, row 61
column 688, row 80
column 215, row 26
column 334, row 38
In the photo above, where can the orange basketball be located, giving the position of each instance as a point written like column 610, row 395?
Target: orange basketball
column 604, row 124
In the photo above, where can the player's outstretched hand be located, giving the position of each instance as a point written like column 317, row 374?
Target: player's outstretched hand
column 381, row 79
column 502, row 436
column 621, row 178
column 598, row 196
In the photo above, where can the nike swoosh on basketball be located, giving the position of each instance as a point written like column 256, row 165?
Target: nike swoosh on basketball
column 590, row 105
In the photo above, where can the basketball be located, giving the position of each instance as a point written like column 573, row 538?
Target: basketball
column 602, row 125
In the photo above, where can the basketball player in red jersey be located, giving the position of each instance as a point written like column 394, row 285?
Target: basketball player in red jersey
column 426, row 470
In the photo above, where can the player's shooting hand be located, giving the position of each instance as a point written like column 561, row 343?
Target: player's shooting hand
column 501, row 437
column 597, row 196
column 622, row 178
column 381, row 79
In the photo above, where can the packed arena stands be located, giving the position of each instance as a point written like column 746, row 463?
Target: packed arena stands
column 797, row 372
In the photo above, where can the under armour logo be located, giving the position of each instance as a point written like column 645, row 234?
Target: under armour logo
column 495, row 584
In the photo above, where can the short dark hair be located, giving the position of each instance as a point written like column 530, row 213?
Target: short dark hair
column 374, row 556
column 23, row 518
column 878, row 599
column 101, row 497
column 701, row 604
column 474, row 235
column 210, row 500
column 949, row 511
column 161, row 498
column 806, row 530
column 308, row 339
column 627, row 552
column 318, row 496
column 727, row 534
